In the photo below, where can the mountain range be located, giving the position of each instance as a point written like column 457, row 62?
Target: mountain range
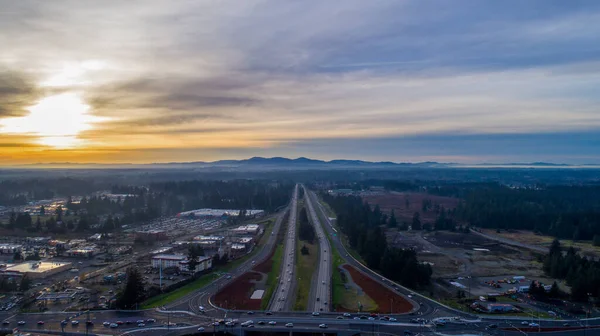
column 257, row 163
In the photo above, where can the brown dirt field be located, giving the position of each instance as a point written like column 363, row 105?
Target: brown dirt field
column 265, row 266
column 397, row 202
column 236, row 295
column 379, row 294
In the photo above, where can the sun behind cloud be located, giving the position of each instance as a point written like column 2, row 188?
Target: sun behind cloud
column 56, row 121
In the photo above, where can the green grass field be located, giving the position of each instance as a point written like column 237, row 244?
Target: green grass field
column 273, row 276
column 305, row 269
column 166, row 298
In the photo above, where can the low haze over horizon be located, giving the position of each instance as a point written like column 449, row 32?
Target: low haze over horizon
column 404, row 81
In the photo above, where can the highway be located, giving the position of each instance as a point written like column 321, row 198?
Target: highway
column 187, row 315
column 322, row 293
column 283, row 297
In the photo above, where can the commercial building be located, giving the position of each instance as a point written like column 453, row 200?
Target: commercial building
column 10, row 248
column 250, row 229
column 220, row 213
column 82, row 251
column 38, row 269
column 180, row 261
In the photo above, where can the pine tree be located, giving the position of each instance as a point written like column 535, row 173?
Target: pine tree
column 392, row 223
column 134, row 291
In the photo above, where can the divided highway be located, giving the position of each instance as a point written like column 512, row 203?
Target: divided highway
column 282, row 298
column 322, row 293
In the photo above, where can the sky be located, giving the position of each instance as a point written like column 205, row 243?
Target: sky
column 142, row 81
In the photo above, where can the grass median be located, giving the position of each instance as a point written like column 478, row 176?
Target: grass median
column 305, row 269
column 272, row 277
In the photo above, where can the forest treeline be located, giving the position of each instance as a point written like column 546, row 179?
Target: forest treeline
column 567, row 212
column 363, row 227
column 581, row 273
column 141, row 204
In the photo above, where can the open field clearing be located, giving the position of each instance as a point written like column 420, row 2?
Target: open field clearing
column 387, row 301
column 236, row 295
column 455, row 254
column 530, row 238
column 405, row 204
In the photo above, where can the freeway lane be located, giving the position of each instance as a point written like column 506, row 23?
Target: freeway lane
column 282, row 298
column 321, row 301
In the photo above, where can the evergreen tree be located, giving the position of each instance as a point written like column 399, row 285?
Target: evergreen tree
column 304, row 250
column 12, row 222
column 416, row 221
column 134, row 291
column 393, row 222
column 42, row 210
column 25, row 283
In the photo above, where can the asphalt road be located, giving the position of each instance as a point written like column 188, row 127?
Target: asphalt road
column 188, row 313
column 322, row 293
column 282, row 298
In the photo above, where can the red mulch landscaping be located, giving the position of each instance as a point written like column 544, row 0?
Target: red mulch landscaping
column 397, row 202
column 380, row 294
column 236, row 295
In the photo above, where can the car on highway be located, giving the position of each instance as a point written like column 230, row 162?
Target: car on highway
column 40, row 322
column 269, row 313
column 141, row 325
column 114, row 325
column 5, row 322
column 323, row 325
column 289, row 325
column 106, row 323
column 74, row 322
column 315, row 314
column 272, row 323
column 340, row 317
column 525, row 323
column 260, row 322
column 119, row 322
column 150, row 320
column 250, row 312
column 201, row 329
column 347, row 315
column 393, row 319
column 533, row 324
column 21, row 322
column 139, row 321
column 492, row 326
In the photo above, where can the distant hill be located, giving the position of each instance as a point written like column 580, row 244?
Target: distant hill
column 263, row 163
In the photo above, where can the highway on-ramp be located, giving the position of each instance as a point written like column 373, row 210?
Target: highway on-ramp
column 322, row 288
column 282, row 296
